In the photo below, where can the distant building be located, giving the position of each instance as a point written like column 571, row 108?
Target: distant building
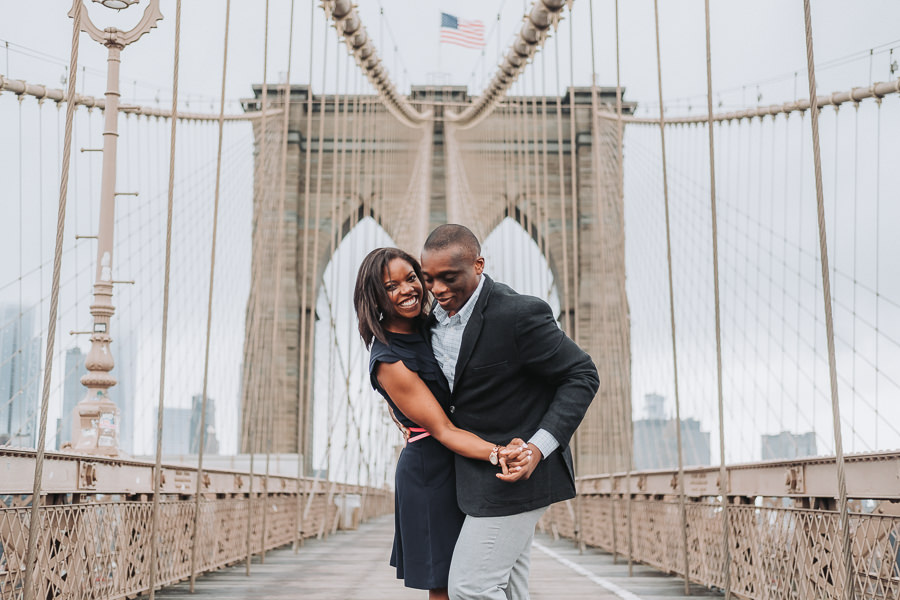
column 656, row 441
column 181, row 428
column 176, row 437
column 787, row 445
column 20, row 373
column 73, row 392
column 125, row 356
column 212, row 443
column 654, row 407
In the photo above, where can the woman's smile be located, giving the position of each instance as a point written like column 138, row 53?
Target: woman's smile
column 405, row 292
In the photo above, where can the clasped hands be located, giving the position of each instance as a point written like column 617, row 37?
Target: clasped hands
column 518, row 460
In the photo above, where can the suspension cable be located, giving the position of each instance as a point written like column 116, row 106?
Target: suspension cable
column 629, row 441
column 567, row 294
column 276, row 381
column 35, row 517
column 157, row 472
column 662, row 136
column 573, row 164
column 348, row 24
column 843, row 513
column 723, row 481
column 304, row 310
column 310, row 342
column 252, row 432
column 198, row 486
column 876, row 90
column 537, row 21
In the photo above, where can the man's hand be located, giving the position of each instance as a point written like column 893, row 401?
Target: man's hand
column 519, row 460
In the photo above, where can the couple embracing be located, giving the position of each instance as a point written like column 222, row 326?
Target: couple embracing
column 489, row 391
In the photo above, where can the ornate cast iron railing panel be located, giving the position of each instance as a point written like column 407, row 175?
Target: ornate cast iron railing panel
column 783, row 525
column 95, row 544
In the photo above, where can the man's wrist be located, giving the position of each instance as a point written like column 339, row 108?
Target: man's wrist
column 544, row 441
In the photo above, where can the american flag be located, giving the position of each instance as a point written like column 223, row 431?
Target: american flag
column 468, row 34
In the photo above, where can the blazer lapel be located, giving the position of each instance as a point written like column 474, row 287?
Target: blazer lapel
column 473, row 330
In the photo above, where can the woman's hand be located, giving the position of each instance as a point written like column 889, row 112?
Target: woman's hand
column 514, row 458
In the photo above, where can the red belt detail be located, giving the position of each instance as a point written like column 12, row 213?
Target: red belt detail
column 423, row 433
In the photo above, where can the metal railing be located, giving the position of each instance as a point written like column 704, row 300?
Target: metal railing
column 784, row 533
column 96, row 514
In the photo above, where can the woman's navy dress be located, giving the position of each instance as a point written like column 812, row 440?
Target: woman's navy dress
column 427, row 518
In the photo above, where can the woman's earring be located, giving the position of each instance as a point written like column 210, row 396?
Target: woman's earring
column 380, row 316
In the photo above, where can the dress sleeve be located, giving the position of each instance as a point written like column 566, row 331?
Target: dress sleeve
column 382, row 353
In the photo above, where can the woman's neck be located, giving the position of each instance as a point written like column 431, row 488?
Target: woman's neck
column 399, row 325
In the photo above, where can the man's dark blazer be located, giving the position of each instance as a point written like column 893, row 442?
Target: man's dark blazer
column 517, row 372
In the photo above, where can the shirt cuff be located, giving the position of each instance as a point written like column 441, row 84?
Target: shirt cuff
column 544, row 441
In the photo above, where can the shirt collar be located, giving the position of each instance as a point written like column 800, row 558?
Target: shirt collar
column 465, row 312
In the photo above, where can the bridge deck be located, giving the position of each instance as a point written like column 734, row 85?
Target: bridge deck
column 355, row 565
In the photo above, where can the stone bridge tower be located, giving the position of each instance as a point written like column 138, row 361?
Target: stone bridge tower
column 441, row 173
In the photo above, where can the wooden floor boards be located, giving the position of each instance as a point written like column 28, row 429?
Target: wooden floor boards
column 354, row 564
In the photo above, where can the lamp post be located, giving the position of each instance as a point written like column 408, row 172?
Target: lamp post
column 96, row 419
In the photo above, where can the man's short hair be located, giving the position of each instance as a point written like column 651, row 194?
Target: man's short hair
column 452, row 234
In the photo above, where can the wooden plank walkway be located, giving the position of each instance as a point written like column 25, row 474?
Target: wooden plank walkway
column 354, row 564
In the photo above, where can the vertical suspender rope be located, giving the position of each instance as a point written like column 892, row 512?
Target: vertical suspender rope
column 276, row 381
column 157, row 471
column 525, row 173
column 595, row 170
column 662, row 137
column 521, row 196
column 304, row 311
column 261, row 259
column 343, row 197
column 35, row 528
column 573, row 160
column 310, row 341
column 340, row 123
column 605, row 414
column 536, row 208
column 877, row 256
column 198, row 486
column 567, row 294
column 723, row 474
column 615, row 317
column 263, row 153
column 315, row 253
column 544, row 211
column 355, row 165
column 574, row 298
column 843, row 512
column 511, row 179
column 601, row 310
column 629, row 441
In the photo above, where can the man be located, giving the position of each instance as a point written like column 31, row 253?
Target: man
column 512, row 373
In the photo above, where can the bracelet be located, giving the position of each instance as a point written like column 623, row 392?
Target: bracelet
column 494, row 458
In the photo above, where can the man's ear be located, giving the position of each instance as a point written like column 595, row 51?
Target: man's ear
column 479, row 265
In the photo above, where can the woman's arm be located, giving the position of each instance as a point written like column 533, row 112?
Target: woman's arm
column 416, row 401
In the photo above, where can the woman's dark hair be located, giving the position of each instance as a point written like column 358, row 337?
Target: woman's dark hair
column 371, row 299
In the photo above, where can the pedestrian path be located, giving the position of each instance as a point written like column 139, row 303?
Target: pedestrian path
column 354, row 564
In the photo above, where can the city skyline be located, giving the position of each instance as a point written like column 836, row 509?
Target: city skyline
column 20, row 369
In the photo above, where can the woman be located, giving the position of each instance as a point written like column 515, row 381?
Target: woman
column 390, row 303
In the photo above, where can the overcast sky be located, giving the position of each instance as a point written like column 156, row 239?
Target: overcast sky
column 752, row 42
column 758, row 56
